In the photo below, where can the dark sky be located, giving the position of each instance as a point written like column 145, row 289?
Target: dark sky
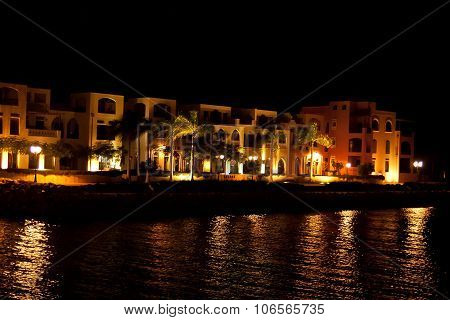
column 261, row 54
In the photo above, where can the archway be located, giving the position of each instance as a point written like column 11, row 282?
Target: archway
column 9, row 96
column 106, row 105
column 297, row 166
column 281, row 167
column 73, row 129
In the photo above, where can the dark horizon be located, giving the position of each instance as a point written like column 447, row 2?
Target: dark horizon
column 238, row 55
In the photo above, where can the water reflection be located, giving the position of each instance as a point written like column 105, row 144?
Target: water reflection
column 32, row 255
column 342, row 254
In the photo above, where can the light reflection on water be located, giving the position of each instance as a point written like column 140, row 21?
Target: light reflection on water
column 343, row 254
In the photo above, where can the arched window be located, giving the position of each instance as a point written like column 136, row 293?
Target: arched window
column 9, row 96
column 72, row 129
column 374, row 146
column 57, row 124
column 388, row 126
column 235, row 136
column 282, row 138
column 405, row 148
column 388, row 147
column 106, row 105
column 354, row 145
column 375, row 124
column 281, row 167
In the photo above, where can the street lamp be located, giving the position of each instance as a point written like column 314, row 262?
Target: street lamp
column 36, row 150
column 418, row 165
column 347, row 166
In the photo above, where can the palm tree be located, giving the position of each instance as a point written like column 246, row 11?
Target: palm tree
column 170, row 128
column 310, row 136
column 190, row 127
column 272, row 137
column 127, row 130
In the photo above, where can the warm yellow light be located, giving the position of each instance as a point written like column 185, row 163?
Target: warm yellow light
column 221, row 157
column 35, row 149
column 348, row 164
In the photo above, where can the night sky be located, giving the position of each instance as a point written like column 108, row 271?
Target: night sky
column 258, row 55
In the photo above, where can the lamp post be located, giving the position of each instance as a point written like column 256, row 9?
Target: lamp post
column 418, row 165
column 347, row 166
column 36, row 150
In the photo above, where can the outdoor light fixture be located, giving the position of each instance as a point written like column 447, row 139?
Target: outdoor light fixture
column 35, row 150
column 348, row 165
column 221, row 157
column 418, row 164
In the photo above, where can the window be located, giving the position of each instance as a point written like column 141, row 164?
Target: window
column 40, row 123
column 249, row 140
column 49, row 162
column 374, row 146
column 235, row 136
column 9, row 96
column 388, row 147
column 221, row 135
column 106, row 105
column 335, row 107
column 405, row 148
column 333, row 124
column 386, row 165
column 405, row 165
column 344, row 107
column 105, row 132
column 72, row 129
column 388, row 126
column 14, row 125
column 375, row 124
column 374, row 162
column 354, row 145
column 57, row 124
column 39, row 98
column 355, row 161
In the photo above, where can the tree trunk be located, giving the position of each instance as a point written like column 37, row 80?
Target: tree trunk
column 138, row 154
column 147, row 162
column 129, row 160
column 271, row 164
column 192, row 159
column 171, row 153
column 311, row 164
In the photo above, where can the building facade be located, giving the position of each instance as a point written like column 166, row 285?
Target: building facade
column 361, row 133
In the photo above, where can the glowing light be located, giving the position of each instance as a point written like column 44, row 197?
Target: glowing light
column 5, row 160
column 221, row 157
column 35, row 149
column 348, row 165
column 418, row 164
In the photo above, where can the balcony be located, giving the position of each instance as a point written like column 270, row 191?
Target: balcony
column 44, row 133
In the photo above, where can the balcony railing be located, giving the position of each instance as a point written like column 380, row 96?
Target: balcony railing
column 44, row 133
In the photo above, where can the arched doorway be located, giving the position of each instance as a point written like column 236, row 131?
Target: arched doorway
column 297, row 166
column 281, row 167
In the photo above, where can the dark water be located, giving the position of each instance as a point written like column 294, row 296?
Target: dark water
column 344, row 254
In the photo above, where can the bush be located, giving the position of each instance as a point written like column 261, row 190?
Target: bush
column 365, row 169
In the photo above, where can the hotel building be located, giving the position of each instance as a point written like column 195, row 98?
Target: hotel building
column 361, row 132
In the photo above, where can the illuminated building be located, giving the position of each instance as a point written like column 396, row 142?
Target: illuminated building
column 361, row 132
